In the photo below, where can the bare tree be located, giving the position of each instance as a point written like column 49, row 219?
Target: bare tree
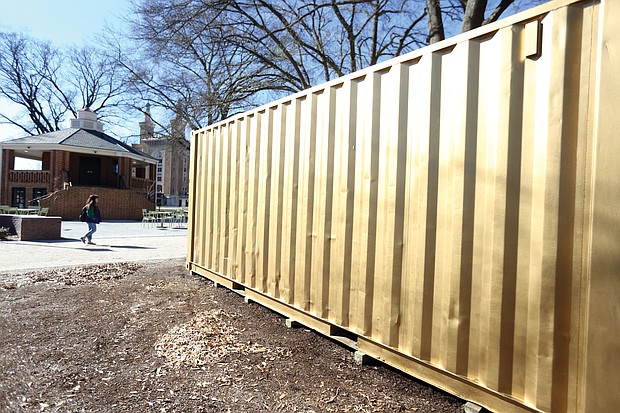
column 470, row 13
column 219, row 57
column 26, row 68
column 204, row 60
column 474, row 14
column 319, row 40
column 436, row 32
column 47, row 84
column 98, row 81
column 182, row 58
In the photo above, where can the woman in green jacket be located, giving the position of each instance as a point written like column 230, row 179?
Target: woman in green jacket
column 92, row 217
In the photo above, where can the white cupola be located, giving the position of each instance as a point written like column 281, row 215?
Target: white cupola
column 86, row 119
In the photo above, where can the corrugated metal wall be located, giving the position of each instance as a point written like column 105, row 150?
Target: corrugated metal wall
column 437, row 205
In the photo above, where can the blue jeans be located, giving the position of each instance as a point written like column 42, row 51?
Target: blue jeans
column 92, row 228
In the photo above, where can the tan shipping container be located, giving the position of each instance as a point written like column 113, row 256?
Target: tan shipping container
column 457, row 209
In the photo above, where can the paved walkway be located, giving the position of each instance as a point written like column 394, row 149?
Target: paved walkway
column 115, row 241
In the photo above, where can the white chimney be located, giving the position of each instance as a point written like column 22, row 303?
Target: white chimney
column 86, row 119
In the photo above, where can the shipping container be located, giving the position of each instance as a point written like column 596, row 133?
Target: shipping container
column 453, row 212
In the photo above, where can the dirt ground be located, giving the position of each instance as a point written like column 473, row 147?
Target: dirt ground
column 151, row 337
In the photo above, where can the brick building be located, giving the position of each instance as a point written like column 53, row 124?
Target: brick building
column 75, row 162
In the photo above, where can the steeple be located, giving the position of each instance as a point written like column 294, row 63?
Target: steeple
column 147, row 128
column 178, row 125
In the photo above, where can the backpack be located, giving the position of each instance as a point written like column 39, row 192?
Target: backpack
column 83, row 215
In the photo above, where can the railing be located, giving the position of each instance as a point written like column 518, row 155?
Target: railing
column 29, row 177
column 147, row 185
column 141, row 183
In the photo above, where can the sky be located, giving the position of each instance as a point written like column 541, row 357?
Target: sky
column 63, row 22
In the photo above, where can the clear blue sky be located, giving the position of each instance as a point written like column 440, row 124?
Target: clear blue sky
column 63, row 22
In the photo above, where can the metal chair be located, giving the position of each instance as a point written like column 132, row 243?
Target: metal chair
column 178, row 218
column 147, row 218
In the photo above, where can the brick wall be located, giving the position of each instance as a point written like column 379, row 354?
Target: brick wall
column 32, row 227
column 7, row 164
column 115, row 204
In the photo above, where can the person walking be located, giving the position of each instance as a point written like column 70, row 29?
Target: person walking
column 92, row 217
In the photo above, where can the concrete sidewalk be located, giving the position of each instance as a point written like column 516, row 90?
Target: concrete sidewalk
column 115, row 241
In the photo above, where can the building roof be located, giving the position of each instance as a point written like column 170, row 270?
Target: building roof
column 79, row 138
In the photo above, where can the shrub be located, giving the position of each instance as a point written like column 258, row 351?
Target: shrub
column 4, row 233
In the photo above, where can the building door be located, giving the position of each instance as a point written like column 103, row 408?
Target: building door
column 38, row 193
column 90, row 171
column 18, row 198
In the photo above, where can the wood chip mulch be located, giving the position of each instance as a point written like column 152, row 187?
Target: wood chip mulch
column 209, row 337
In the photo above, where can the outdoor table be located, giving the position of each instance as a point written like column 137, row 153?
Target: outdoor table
column 160, row 216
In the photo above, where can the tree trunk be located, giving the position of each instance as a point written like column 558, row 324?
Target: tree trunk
column 435, row 22
column 474, row 14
